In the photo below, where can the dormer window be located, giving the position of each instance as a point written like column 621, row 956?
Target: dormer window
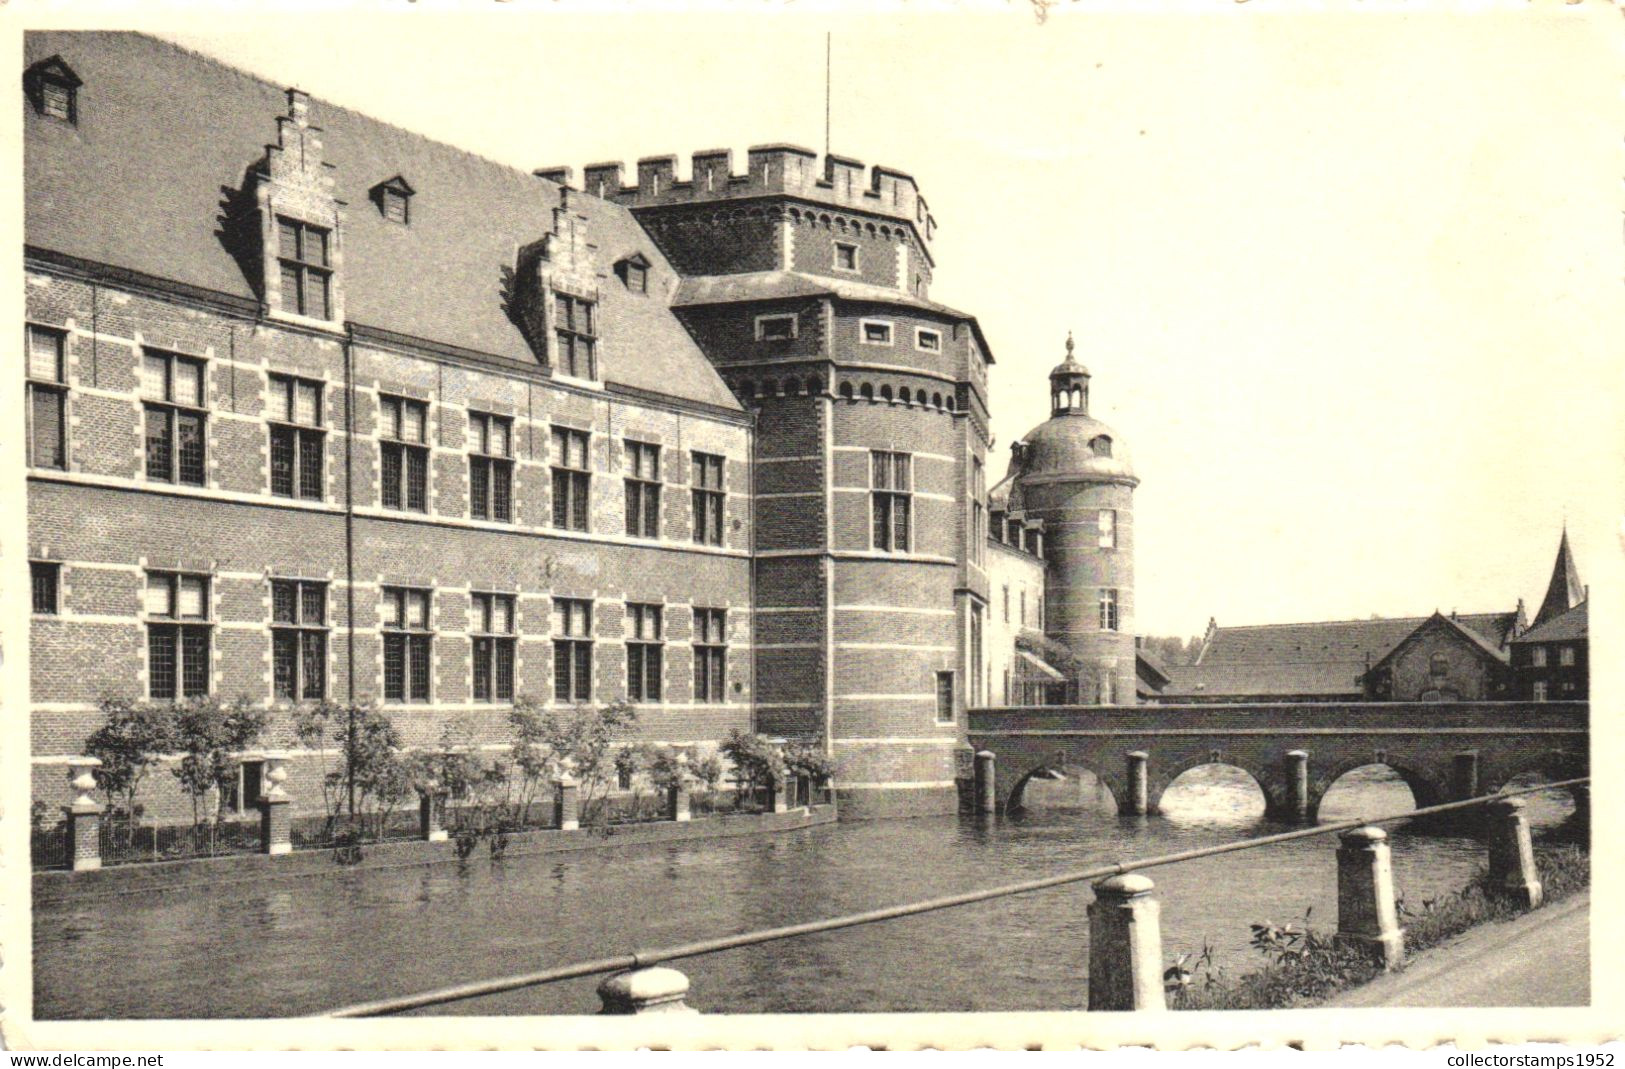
column 54, row 90
column 634, row 273
column 302, row 251
column 394, row 200
column 1102, row 446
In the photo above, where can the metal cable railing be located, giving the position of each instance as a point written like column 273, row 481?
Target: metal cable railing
column 639, row 959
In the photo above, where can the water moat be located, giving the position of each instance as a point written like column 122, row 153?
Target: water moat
column 301, row 946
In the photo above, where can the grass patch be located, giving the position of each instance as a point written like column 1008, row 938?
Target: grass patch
column 1305, row 967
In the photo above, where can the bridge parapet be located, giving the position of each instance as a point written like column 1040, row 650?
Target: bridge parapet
column 1444, row 751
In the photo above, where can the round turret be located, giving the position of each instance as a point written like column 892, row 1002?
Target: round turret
column 1076, row 474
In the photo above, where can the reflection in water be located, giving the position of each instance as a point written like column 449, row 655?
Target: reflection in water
column 298, row 946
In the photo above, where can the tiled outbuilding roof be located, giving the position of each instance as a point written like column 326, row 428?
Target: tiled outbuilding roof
column 1566, row 627
column 165, row 139
column 1312, row 659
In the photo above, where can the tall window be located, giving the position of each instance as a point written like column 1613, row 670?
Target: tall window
column 708, row 499
column 710, row 654
column 645, row 633
column 976, row 654
column 403, row 456
column 1438, row 665
column 642, row 489
column 296, row 438
column 572, row 649
column 575, row 328
column 1023, row 618
column 493, row 638
column 1107, row 523
column 302, row 251
column 490, row 467
column 892, row 482
column 945, row 697
column 1108, row 608
column 1537, row 656
column 1565, row 656
column 978, row 510
column 172, row 393
column 47, row 399
column 408, row 644
column 1540, row 690
column 1007, row 603
column 570, row 479
column 46, row 579
column 298, row 639
column 177, row 635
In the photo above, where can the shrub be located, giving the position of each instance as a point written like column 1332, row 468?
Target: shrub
column 209, row 734
column 757, row 762
column 134, row 736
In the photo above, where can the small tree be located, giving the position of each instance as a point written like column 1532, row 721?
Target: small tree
column 313, row 727
column 757, row 763
column 529, row 753
column 581, row 736
column 373, row 753
column 133, row 738
column 209, row 734
column 708, row 770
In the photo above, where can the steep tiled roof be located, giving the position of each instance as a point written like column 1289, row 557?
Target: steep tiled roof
column 1568, row 626
column 1323, row 659
column 165, row 136
column 1565, row 590
column 1439, row 620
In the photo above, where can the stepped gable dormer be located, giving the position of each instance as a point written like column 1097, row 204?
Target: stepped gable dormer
column 301, row 223
column 1564, row 591
column 554, row 294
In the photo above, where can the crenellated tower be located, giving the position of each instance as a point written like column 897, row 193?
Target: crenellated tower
column 807, row 284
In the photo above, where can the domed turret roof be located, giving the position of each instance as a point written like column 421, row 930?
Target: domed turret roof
column 1072, row 443
column 1075, row 444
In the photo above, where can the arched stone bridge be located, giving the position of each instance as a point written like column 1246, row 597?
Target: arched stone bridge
column 1444, row 751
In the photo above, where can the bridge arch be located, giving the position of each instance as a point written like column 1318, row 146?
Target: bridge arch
column 1428, row 785
column 1014, row 802
column 1271, row 782
column 1549, row 764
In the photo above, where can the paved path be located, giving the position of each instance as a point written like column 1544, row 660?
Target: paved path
column 1540, row 959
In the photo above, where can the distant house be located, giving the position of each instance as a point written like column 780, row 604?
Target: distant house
column 1442, row 660
column 1332, row 661
column 1550, row 662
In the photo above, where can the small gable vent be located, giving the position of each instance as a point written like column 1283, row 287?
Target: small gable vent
column 394, row 200
column 53, row 89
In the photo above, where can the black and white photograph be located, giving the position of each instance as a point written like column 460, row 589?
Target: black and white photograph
column 790, row 527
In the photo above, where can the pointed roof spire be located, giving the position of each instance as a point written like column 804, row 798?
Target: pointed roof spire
column 1565, row 590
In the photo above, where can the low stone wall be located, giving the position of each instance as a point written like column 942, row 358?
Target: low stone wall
column 59, row 885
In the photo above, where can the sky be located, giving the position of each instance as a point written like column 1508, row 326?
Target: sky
column 1348, row 283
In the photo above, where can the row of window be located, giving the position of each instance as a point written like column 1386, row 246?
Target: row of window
column 1538, row 656
column 175, row 424
column 179, row 640
column 784, row 326
column 1021, row 617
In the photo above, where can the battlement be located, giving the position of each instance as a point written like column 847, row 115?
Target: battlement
column 770, row 169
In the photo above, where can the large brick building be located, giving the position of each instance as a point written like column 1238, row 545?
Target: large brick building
column 322, row 408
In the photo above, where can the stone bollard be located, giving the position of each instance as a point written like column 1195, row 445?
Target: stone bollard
column 432, row 813
column 567, row 803
column 1512, row 856
column 275, row 810
column 83, row 815
column 654, row 990
column 1366, row 915
column 987, row 782
column 1125, row 945
column 1138, row 802
column 1297, row 778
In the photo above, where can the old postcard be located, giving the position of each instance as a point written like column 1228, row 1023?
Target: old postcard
column 1020, row 524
